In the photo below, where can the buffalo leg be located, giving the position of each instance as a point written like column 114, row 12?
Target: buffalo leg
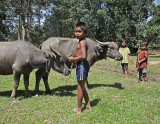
column 38, row 74
column 45, row 80
column 16, row 79
column 26, row 84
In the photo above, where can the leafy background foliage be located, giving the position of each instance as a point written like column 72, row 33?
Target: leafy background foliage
column 108, row 20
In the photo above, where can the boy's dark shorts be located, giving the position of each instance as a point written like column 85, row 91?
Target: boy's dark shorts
column 124, row 65
column 82, row 70
column 143, row 71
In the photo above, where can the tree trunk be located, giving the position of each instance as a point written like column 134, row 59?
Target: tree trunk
column 23, row 27
column 28, row 28
column 19, row 29
column 39, row 22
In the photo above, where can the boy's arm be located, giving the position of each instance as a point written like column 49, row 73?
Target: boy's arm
column 145, row 58
column 129, row 55
column 142, row 60
column 83, row 54
column 130, row 58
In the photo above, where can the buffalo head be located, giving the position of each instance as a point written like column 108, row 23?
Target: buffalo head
column 56, row 61
column 108, row 49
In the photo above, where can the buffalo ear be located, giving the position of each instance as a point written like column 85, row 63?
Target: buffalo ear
column 49, row 55
column 98, row 47
column 56, row 53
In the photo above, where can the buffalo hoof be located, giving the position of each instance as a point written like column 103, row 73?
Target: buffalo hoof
column 15, row 101
column 48, row 92
column 28, row 95
column 36, row 95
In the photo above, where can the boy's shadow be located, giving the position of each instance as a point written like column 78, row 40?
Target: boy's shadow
column 64, row 90
column 115, row 85
column 67, row 90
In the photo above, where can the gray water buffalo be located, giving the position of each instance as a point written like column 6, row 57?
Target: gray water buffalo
column 22, row 57
column 67, row 46
column 96, row 50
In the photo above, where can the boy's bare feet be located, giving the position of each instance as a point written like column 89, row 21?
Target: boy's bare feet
column 143, row 82
column 88, row 108
column 77, row 110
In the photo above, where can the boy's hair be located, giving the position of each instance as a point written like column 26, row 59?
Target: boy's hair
column 143, row 43
column 83, row 26
column 125, row 42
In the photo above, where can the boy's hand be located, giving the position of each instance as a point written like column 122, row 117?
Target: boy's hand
column 131, row 61
column 71, row 59
column 140, row 61
column 118, row 64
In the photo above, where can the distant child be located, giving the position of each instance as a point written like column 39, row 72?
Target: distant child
column 141, row 64
column 83, row 66
column 125, row 52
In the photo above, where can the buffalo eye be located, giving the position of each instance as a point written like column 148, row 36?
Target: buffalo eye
column 111, row 48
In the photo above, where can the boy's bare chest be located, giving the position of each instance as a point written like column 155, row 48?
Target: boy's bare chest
column 78, row 47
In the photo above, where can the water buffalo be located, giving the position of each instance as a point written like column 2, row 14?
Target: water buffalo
column 22, row 57
column 96, row 50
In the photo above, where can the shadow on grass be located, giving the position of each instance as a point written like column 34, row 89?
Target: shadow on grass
column 8, row 93
column 93, row 103
column 64, row 90
column 116, row 85
column 61, row 90
column 19, row 93
column 67, row 90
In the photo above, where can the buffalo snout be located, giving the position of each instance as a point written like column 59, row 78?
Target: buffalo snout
column 119, row 57
column 66, row 72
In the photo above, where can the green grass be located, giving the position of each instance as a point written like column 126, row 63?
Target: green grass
column 115, row 100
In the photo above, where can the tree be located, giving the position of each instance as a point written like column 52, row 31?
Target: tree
column 4, row 29
column 22, row 16
column 150, row 31
column 108, row 20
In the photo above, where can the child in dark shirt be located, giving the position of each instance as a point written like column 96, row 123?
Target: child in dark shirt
column 141, row 64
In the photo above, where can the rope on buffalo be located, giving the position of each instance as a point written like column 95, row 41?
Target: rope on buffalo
column 71, row 68
column 70, row 73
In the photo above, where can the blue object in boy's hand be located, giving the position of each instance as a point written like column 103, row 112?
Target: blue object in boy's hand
column 118, row 64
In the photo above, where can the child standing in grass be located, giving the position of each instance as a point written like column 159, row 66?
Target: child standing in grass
column 141, row 63
column 125, row 52
column 83, row 66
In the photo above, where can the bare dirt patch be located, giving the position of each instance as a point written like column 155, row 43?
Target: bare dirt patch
column 133, row 73
column 155, row 63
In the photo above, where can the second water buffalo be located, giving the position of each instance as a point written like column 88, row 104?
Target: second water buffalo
column 20, row 57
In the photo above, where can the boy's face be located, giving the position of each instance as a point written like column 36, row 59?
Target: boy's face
column 143, row 46
column 79, row 33
column 123, row 43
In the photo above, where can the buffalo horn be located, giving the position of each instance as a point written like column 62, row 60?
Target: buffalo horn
column 48, row 55
column 102, row 43
column 56, row 53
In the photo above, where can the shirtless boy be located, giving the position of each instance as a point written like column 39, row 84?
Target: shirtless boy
column 83, row 66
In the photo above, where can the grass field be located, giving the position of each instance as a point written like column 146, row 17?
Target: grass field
column 115, row 100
